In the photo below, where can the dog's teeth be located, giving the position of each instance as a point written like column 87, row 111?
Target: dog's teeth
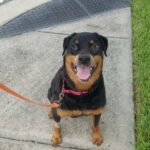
column 91, row 68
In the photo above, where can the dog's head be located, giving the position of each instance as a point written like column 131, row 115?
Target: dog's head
column 83, row 58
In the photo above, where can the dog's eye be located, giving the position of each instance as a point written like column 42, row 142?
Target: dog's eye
column 74, row 49
column 95, row 49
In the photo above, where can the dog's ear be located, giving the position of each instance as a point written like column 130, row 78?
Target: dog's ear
column 104, row 42
column 66, row 41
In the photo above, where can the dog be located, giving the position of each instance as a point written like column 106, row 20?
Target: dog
column 78, row 85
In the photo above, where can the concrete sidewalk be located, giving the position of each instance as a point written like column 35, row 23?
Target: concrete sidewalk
column 29, row 62
column 9, row 10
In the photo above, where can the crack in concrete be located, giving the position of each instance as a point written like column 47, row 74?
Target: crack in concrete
column 59, row 33
column 42, row 143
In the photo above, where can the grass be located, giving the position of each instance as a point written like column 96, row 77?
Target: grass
column 141, row 66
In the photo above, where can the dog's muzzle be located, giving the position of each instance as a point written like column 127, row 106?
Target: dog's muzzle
column 84, row 60
column 83, row 68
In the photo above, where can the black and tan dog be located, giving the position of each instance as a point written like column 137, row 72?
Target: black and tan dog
column 78, row 84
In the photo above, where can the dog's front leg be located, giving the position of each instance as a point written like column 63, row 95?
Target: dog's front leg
column 96, row 133
column 56, row 137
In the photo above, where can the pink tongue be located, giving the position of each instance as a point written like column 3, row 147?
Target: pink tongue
column 83, row 72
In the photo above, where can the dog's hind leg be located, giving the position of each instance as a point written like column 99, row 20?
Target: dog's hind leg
column 56, row 137
column 96, row 133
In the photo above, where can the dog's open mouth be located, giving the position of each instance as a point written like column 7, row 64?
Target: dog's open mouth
column 83, row 72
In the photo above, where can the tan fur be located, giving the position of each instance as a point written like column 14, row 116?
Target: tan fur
column 50, row 114
column 56, row 137
column 71, row 113
column 93, row 112
column 97, row 61
column 68, row 113
column 97, row 136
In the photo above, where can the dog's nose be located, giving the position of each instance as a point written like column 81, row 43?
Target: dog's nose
column 84, row 59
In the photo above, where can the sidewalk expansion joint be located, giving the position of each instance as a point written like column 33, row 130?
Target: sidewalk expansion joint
column 37, row 142
column 59, row 33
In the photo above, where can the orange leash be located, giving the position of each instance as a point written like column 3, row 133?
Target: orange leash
column 10, row 91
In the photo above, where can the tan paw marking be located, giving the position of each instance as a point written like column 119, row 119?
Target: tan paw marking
column 56, row 140
column 56, row 137
column 97, row 138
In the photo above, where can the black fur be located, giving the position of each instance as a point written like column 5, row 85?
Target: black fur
column 96, row 97
column 96, row 120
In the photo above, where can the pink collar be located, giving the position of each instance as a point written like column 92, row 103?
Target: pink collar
column 72, row 91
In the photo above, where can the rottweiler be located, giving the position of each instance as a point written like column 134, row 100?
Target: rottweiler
column 78, row 85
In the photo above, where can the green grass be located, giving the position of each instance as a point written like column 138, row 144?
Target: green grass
column 141, row 64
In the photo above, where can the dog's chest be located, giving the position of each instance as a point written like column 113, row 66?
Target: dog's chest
column 82, row 102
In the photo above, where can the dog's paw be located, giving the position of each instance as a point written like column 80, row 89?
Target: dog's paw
column 56, row 140
column 97, row 138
